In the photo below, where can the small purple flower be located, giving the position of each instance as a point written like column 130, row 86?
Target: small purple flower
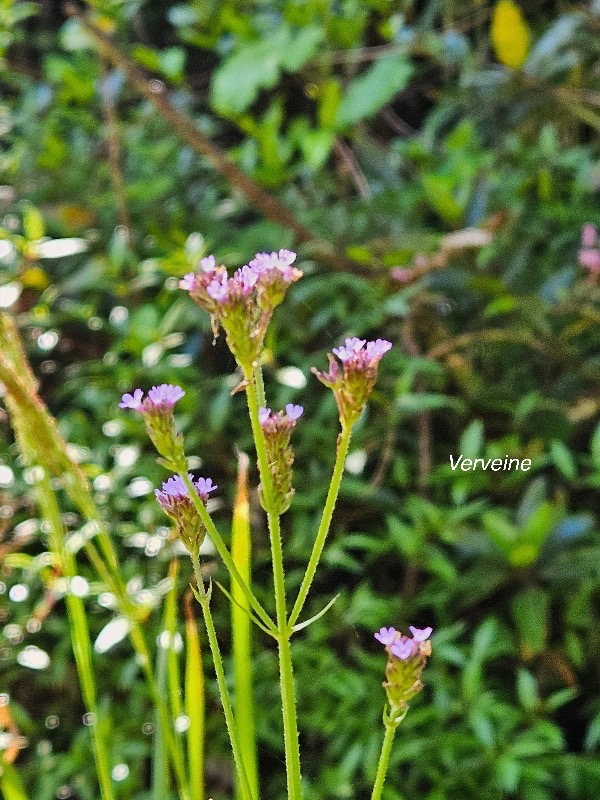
column 294, row 412
column 133, row 401
column 386, row 636
column 244, row 280
column 401, row 274
column 165, row 395
column 262, row 262
column 218, row 288
column 588, row 235
column 421, row 634
column 402, row 648
column 174, row 490
column 263, row 415
column 187, row 282
column 204, row 486
column 208, row 264
column 350, row 348
column 590, row 259
column 377, row 349
column 354, row 354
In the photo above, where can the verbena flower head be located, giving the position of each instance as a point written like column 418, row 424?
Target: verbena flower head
column 589, row 255
column 157, row 410
column 176, row 502
column 407, row 656
column 243, row 303
column 353, row 384
column 277, row 429
column 159, row 397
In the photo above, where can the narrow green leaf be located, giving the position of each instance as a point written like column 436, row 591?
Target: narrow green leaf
column 10, row 783
column 241, row 630
column 301, row 625
column 194, row 703
column 530, row 610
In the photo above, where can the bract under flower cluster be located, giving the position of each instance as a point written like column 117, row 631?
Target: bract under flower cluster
column 353, row 384
column 277, row 429
column 157, row 410
column 407, row 657
column 243, row 303
column 176, row 502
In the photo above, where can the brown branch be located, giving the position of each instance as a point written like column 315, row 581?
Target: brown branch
column 423, row 419
column 349, row 160
column 155, row 91
column 114, row 147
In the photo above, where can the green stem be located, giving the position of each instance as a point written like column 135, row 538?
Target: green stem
column 334, row 487
column 260, row 386
column 80, row 635
column 224, row 552
column 203, row 599
column 384, row 759
column 286, row 674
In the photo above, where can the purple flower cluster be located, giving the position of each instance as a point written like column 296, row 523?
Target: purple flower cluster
column 157, row 410
column 402, row 646
column 277, row 429
column 407, row 658
column 589, row 255
column 353, row 384
column 268, row 419
column 177, row 504
column 359, row 354
column 174, row 490
column 243, row 303
column 159, row 398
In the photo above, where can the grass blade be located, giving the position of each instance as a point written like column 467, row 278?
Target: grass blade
column 194, row 703
column 241, row 630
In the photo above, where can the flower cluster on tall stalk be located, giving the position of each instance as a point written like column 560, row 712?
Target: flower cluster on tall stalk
column 242, row 305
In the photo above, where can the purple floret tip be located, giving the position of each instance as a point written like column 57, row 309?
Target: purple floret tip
column 133, row 401
column 402, row 649
column 263, row 415
column 165, row 394
column 208, row 264
column 294, row 412
column 386, row 635
column 187, row 282
column 421, row 634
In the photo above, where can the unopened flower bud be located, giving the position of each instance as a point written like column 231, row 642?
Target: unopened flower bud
column 353, row 385
column 157, row 411
column 277, row 429
column 177, row 504
column 407, row 657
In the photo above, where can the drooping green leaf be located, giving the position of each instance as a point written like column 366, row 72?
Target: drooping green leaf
column 372, row 90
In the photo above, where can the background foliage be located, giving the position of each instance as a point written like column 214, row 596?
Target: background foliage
column 384, row 127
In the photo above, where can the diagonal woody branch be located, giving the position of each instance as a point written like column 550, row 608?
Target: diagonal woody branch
column 184, row 126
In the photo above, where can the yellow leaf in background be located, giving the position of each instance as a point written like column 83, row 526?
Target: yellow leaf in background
column 510, row 34
column 75, row 218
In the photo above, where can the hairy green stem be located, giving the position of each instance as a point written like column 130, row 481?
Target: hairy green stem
column 334, row 487
column 203, row 599
column 384, row 760
column 286, row 674
column 224, row 552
